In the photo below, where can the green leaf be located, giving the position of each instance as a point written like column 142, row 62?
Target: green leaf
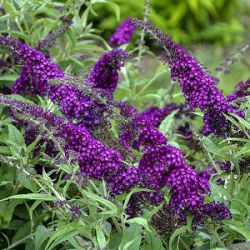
column 243, row 122
column 41, row 235
column 134, row 190
column 32, row 146
column 131, row 239
column 5, row 150
column 148, row 215
column 65, row 168
column 8, row 78
column 218, row 248
column 140, row 221
column 31, row 196
column 6, row 212
column 27, row 182
column 101, row 200
column 176, row 233
column 166, row 124
column 62, row 234
column 116, row 9
column 210, row 145
column 153, row 242
column 9, row 7
column 232, row 120
column 100, row 237
column 237, row 227
column 15, row 135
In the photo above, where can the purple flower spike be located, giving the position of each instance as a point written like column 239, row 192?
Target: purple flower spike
column 36, row 71
column 241, row 90
column 198, row 86
column 104, row 75
column 123, row 33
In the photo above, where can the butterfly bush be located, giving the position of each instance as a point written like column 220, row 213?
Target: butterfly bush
column 164, row 165
column 157, row 164
column 198, row 86
column 123, row 34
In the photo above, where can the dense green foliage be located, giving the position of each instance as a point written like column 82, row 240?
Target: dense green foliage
column 30, row 216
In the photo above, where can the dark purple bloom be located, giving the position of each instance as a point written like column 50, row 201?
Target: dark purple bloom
column 125, row 180
column 77, row 105
column 141, row 134
column 76, row 212
column 157, row 115
column 104, row 75
column 95, row 160
column 225, row 166
column 2, row 10
column 36, row 70
column 188, row 191
column 123, row 33
column 217, row 211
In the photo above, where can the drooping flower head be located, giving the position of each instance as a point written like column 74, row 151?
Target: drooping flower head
column 241, row 90
column 104, row 75
column 123, row 33
column 95, row 159
column 198, row 85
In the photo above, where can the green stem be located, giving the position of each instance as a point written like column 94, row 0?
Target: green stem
column 215, row 234
column 141, row 41
column 184, row 244
column 18, row 242
column 117, row 226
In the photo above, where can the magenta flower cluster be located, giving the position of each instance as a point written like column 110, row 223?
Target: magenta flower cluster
column 72, row 100
column 95, row 159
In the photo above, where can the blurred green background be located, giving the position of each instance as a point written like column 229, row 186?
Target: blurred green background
column 188, row 21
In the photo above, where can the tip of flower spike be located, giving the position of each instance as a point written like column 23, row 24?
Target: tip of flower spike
column 10, row 43
column 123, row 33
column 66, row 20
